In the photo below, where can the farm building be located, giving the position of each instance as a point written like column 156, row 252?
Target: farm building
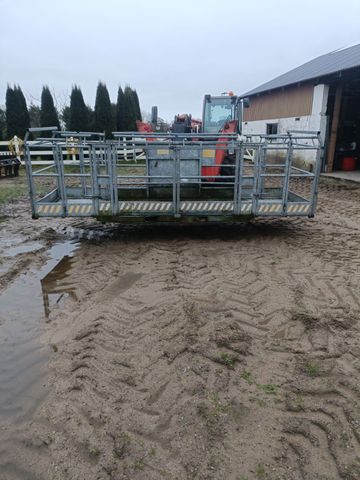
column 321, row 95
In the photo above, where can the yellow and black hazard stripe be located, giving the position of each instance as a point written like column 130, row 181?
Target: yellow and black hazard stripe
column 57, row 210
column 206, row 207
column 79, row 210
column 246, row 208
column 130, row 207
column 270, row 208
column 298, row 209
column 105, row 207
column 47, row 210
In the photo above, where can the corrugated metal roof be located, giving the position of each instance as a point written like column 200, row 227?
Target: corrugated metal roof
column 332, row 62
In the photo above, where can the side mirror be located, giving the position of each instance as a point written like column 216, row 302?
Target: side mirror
column 246, row 102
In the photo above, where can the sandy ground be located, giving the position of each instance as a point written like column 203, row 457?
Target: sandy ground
column 199, row 353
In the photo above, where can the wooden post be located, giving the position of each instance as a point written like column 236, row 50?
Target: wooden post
column 334, row 129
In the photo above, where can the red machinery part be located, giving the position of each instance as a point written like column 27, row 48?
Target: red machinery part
column 145, row 128
column 229, row 127
column 348, row 164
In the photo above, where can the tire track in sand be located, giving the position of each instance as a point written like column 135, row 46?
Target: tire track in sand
column 194, row 354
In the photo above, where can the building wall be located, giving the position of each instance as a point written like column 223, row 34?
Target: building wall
column 290, row 102
column 313, row 120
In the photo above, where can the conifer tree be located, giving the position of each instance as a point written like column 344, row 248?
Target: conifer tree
column 34, row 114
column 121, row 125
column 137, row 105
column 79, row 114
column 2, row 124
column 48, row 115
column 65, row 117
column 17, row 115
column 129, row 110
column 104, row 121
column 91, row 118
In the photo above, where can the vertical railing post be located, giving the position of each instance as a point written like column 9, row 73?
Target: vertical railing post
column 176, row 179
column 147, row 167
column 82, row 168
column 30, row 178
column 56, row 163
column 287, row 172
column 262, row 168
column 59, row 162
column 239, row 164
column 94, row 178
column 315, row 185
column 125, row 151
column 113, row 179
column 257, row 158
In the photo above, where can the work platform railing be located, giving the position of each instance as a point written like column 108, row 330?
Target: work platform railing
column 173, row 176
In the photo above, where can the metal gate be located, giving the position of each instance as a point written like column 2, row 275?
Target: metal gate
column 169, row 176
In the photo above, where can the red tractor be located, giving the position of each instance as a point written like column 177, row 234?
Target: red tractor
column 221, row 115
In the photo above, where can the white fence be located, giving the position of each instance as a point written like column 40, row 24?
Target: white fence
column 15, row 147
column 40, row 156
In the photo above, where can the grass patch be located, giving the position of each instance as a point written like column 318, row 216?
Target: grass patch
column 227, row 359
column 269, row 388
column 299, row 403
column 73, row 169
column 11, row 192
column 248, row 377
column 260, row 471
column 94, row 451
column 139, row 465
column 122, row 444
column 312, row 369
column 212, row 412
column 218, row 406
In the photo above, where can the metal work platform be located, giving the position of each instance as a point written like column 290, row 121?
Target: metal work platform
column 163, row 177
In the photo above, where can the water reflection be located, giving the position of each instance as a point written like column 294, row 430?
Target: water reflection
column 55, row 288
column 23, row 357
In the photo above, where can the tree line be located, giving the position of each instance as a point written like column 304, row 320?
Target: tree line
column 106, row 117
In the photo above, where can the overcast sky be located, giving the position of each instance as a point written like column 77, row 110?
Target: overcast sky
column 172, row 52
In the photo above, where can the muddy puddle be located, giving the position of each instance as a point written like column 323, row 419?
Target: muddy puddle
column 24, row 307
column 24, row 248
